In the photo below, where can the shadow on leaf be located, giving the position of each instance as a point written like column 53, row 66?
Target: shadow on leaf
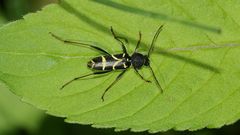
column 104, row 29
column 156, row 15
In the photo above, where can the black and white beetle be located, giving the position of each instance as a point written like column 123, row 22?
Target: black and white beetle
column 110, row 62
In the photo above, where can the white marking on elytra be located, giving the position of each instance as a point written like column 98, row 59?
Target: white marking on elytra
column 93, row 63
column 103, row 62
column 115, row 64
column 118, row 61
column 124, row 65
column 115, row 58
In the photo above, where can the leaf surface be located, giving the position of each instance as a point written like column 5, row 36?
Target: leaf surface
column 14, row 113
column 195, row 60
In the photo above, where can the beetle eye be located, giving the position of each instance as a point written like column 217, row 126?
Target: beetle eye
column 146, row 63
column 146, row 60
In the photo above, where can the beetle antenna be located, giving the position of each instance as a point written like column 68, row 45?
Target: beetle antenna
column 154, row 40
column 155, row 79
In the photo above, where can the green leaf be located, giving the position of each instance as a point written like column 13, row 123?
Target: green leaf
column 14, row 113
column 195, row 60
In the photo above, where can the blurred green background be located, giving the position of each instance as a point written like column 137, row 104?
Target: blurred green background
column 17, row 118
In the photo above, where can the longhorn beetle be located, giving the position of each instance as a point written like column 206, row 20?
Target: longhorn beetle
column 110, row 62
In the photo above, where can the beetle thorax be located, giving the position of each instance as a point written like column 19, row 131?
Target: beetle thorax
column 138, row 60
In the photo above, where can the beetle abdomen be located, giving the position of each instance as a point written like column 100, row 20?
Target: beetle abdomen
column 109, row 62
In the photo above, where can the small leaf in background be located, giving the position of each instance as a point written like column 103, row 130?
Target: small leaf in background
column 15, row 115
column 195, row 59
